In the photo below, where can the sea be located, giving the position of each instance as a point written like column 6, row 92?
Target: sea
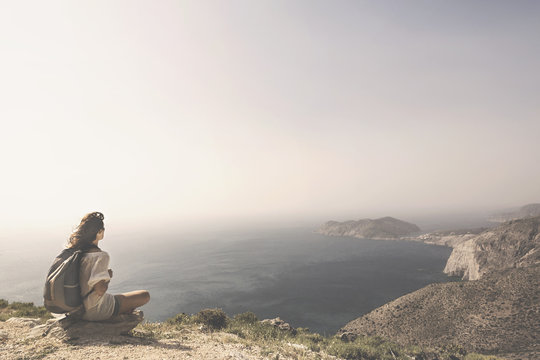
column 305, row 278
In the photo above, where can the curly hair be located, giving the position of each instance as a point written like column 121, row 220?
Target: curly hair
column 84, row 234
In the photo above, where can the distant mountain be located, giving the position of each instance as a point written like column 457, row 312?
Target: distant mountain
column 530, row 210
column 383, row 228
column 512, row 244
column 498, row 314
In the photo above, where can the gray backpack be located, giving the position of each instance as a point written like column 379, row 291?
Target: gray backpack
column 62, row 292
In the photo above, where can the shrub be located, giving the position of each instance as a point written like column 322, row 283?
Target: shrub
column 247, row 318
column 16, row 305
column 28, row 309
column 213, row 318
column 22, row 309
column 350, row 351
column 180, row 319
column 365, row 348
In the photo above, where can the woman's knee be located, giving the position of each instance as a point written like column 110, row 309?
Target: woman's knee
column 145, row 296
column 133, row 299
column 142, row 296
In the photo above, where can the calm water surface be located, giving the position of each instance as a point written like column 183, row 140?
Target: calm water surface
column 308, row 279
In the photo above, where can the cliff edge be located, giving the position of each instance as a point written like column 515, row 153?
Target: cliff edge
column 510, row 245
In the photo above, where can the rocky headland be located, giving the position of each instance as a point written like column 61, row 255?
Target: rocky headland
column 386, row 228
column 475, row 251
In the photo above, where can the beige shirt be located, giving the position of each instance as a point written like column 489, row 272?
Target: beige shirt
column 94, row 268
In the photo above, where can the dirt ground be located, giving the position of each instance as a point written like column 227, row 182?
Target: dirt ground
column 17, row 343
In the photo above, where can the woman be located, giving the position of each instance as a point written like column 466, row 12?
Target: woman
column 95, row 274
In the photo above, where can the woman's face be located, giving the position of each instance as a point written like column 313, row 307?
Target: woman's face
column 100, row 234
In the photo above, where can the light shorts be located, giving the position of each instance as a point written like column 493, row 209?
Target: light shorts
column 103, row 309
column 116, row 306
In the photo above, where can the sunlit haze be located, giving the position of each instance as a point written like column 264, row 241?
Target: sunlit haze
column 182, row 112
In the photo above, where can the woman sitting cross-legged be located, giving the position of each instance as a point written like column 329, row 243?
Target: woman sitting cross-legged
column 95, row 274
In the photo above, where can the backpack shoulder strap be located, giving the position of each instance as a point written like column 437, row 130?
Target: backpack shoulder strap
column 90, row 249
column 87, row 294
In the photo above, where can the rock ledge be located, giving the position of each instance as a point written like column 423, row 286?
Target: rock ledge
column 69, row 329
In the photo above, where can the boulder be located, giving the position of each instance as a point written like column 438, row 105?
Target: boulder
column 66, row 328
column 278, row 323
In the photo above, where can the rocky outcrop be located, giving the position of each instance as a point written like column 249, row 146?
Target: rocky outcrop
column 383, row 228
column 512, row 244
column 462, row 262
column 279, row 324
column 498, row 314
column 530, row 210
column 65, row 328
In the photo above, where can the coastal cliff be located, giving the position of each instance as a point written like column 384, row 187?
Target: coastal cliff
column 386, row 228
column 462, row 261
column 512, row 244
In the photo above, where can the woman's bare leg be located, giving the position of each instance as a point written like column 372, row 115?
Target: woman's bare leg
column 131, row 300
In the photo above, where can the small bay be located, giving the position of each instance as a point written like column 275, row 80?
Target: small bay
column 308, row 279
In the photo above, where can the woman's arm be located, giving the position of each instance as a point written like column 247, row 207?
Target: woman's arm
column 99, row 274
column 101, row 287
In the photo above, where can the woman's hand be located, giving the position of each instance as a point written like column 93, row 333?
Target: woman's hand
column 101, row 287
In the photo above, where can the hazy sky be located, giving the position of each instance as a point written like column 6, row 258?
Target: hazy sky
column 181, row 111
